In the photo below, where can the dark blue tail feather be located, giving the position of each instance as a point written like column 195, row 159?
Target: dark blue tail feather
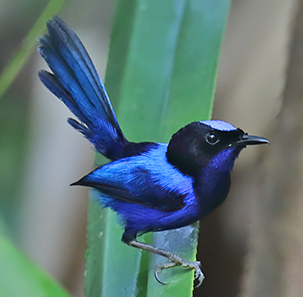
column 76, row 82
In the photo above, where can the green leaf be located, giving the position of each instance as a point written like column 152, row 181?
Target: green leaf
column 20, row 277
column 161, row 75
column 28, row 44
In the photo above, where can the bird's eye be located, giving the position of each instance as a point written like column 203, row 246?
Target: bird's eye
column 212, row 138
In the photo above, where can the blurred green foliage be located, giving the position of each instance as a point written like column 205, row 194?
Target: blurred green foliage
column 18, row 276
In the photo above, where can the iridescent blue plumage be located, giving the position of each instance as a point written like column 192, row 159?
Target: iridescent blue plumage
column 152, row 186
column 146, row 191
column 76, row 82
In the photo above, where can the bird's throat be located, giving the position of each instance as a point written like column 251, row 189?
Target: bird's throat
column 212, row 184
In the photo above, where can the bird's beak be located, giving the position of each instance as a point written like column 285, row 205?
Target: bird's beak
column 251, row 140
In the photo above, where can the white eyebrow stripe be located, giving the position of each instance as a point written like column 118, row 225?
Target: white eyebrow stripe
column 219, row 125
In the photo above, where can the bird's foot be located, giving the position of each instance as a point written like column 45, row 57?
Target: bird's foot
column 176, row 260
column 199, row 276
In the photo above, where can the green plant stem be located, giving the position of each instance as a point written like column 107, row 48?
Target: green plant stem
column 18, row 60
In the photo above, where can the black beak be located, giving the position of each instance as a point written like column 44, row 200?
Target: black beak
column 251, row 140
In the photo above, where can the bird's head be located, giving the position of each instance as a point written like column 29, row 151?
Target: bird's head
column 194, row 146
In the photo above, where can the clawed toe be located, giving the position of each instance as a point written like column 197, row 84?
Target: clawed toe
column 156, row 274
column 159, row 269
column 199, row 276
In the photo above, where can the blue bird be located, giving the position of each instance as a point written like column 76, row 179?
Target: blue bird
column 152, row 186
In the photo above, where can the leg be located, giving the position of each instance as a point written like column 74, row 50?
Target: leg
column 176, row 260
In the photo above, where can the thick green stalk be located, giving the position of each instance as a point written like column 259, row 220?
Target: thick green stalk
column 161, row 75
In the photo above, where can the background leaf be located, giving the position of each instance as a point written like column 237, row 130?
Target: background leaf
column 28, row 44
column 20, row 277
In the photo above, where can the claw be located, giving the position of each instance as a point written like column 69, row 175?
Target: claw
column 199, row 276
column 156, row 274
column 159, row 269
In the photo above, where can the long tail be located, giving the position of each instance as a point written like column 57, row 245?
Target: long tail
column 76, row 82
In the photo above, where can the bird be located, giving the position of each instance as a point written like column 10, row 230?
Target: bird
column 151, row 186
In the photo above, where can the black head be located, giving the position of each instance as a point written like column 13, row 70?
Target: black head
column 193, row 146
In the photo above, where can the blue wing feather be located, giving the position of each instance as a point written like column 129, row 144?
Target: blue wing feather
column 140, row 180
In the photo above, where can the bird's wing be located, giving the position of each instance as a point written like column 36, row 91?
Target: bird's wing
column 136, row 180
column 76, row 82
